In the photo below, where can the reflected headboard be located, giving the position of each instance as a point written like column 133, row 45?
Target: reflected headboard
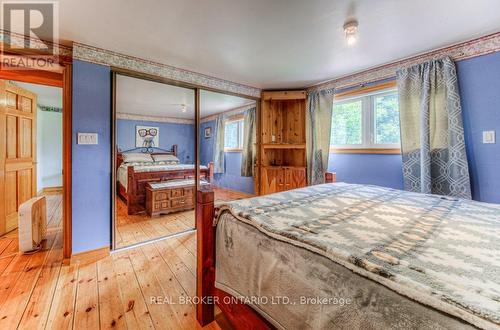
column 151, row 151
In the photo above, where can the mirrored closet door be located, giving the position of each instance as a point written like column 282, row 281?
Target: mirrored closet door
column 154, row 157
column 227, row 144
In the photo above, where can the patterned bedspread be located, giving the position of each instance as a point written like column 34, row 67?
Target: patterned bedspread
column 440, row 251
column 122, row 175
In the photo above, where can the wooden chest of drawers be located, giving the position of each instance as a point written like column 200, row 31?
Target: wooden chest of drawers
column 164, row 198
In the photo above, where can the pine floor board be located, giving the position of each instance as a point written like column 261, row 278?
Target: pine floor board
column 62, row 308
column 111, row 308
column 87, row 299
column 38, row 291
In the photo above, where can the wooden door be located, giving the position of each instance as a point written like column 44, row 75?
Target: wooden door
column 17, row 151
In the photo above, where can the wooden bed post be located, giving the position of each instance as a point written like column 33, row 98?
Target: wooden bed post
column 211, row 172
column 330, row 177
column 241, row 316
column 205, row 261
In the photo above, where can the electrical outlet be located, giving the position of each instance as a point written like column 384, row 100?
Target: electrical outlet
column 488, row 137
column 87, row 138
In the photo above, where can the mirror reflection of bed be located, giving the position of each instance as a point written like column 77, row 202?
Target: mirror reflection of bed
column 155, row 155
column 227, row 139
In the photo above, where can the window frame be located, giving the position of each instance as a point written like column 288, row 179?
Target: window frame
column 367, row 96
column 240, row 133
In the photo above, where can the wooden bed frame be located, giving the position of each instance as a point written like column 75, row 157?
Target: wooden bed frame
column 240, row 315
column 135, row 195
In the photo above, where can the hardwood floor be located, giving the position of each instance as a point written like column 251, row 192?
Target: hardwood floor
column 142, row 288
column 132, row 229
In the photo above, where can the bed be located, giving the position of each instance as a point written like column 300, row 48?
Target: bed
column 133, row 176
column 349, row 257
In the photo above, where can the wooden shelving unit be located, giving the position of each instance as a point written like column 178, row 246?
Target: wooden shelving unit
column 282, row 146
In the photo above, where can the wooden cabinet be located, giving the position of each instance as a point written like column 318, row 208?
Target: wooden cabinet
column 295, row 177
column 282, row 141
column 277, row 178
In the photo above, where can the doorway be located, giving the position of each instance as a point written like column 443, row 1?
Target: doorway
column 61, row 79
column 31, row 158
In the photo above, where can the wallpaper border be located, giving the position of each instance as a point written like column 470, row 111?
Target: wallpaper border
column 229, row 113
column 472, row 48
column 106, row 57
column 15, row 39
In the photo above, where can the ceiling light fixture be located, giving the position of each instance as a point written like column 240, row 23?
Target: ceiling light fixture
column 351, row 32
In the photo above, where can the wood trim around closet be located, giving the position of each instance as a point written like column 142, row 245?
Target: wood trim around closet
column 67, row 160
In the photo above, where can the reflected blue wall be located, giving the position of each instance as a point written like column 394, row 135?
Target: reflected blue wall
column 170, row 133
column 232, row 178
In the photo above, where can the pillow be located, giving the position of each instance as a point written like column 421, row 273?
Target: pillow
column 170, row 162
column 171, row 159
column 136, row 157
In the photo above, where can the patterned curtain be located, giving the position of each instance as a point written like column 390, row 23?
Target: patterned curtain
column 318, row 130
column 219, row 145
column 249, row 138
column 432, row 134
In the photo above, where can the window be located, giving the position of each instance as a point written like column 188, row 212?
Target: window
column 233, row 135
column 366, row 121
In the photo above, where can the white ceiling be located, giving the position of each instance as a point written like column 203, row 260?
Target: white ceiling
column 274, row 43
column 46, row 95
column 144, row 97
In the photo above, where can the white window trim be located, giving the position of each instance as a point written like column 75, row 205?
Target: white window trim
column 368, row 121
column 239, row 135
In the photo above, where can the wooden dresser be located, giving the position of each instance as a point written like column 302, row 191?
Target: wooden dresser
column 282, row 145
column 169, row 196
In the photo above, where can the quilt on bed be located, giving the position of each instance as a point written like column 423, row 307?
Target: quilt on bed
column 122, row 175
column 442, row 252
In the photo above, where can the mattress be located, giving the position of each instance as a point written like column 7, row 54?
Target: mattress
column 403, row 260
column 122, row 177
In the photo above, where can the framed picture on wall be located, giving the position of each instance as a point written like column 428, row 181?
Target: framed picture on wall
column 208, row 132
column 147, row 137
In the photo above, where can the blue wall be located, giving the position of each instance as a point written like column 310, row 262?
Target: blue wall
column 91, row 164
column 479, row 80
column 232, row 178
column 170, row 133
column 380, row 170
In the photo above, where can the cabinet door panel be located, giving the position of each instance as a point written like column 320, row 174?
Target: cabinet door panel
column 273, row 180
column 296, row 178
